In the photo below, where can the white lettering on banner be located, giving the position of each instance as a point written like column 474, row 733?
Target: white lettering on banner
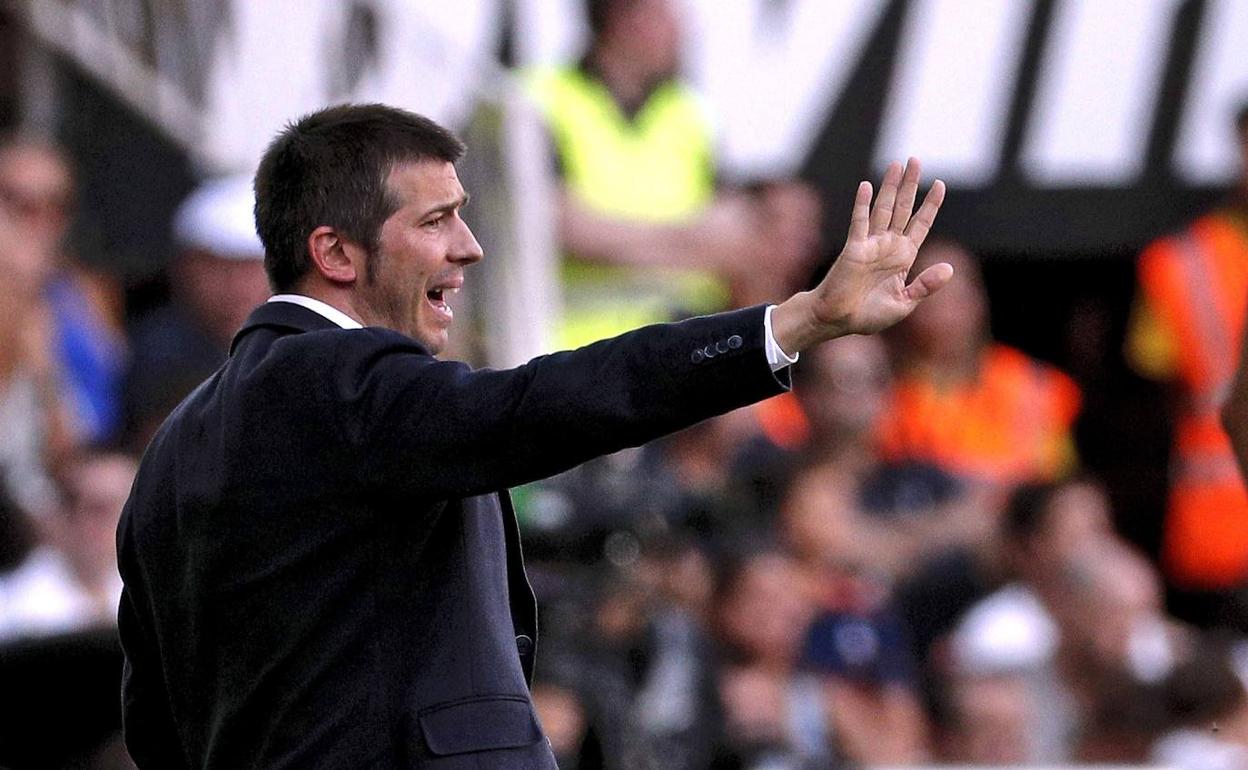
column 1206, row 143
column 254, row 85
column 951, row 91
column 771, row 84
column 550, row 31
column 771, row 71
column 279, row 61
column 1099, row 82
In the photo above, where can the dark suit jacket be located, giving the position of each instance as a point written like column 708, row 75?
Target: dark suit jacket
column 321, row 564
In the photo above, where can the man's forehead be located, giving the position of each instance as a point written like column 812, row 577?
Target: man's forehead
column 430, row 181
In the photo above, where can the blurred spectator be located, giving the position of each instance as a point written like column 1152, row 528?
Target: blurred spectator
column 1117, row 647
column 571, row 517
column 1044, row 527
column 217, row 280
column 70, row 583
column 674, row 709
column 710, row 479
column 564, row 720
column 979, row 409
column 1080, row 639
column 727, row 478
column 37, row 194
column 856, row 509
column 1208, row 706
column 635, row 686
column 1004, row 649
column 860, row 648
column 32, row 416
column 1075, row 676
column 1185, row 329
column 612, row 664
column 682, row 573
column 856, row 523
column 987, row 719
column 1235, row 410
column 775, row 715
column 647, row 235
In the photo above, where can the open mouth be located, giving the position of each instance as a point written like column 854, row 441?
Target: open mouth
column 438, row 299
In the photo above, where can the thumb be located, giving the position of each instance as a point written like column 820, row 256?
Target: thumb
column 930, row 281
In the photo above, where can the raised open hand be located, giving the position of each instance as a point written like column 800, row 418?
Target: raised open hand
column 865, row 290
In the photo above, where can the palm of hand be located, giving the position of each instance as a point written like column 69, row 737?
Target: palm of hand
column 865, row 291
column 870, row 277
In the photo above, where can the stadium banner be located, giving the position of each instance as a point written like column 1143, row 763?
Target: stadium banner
column 1062, row 126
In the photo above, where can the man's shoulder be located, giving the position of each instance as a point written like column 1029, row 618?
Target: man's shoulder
column 322, row 349
column 277, row 380
column 318, row 369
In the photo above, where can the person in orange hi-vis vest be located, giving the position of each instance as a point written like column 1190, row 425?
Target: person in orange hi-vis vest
column 981, row 410
column 1186, row 328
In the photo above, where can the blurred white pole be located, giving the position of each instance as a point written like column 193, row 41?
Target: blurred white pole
column 529, row 297
column 509, row 172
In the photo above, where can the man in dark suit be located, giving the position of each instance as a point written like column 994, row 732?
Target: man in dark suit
column 321, row 564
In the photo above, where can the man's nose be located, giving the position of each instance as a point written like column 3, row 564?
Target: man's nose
column 466, row 249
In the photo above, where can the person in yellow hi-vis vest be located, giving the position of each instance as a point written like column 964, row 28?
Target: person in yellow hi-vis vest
column 1186, row 328
column 646, row 235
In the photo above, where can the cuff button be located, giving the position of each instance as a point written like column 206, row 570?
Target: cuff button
column 721, row 347
column 735, row 341
column 697, row 356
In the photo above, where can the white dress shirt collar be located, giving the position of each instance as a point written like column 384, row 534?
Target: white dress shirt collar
column 320, row 308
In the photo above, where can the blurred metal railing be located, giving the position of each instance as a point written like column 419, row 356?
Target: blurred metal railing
column 143, row 52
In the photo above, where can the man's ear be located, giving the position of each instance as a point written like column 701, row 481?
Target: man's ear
column 335, row 258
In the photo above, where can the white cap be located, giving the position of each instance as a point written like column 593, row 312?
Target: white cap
column 1008, row 631
column 218, row 218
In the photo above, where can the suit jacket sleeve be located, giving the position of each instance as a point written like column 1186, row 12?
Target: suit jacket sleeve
column 446, row 429
column 150, row 734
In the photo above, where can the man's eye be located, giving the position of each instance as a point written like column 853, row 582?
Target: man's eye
column 434, row 223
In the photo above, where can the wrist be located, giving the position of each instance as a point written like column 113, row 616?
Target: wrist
column 795, row 326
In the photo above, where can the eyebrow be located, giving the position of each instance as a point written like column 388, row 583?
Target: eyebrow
column 447, row 207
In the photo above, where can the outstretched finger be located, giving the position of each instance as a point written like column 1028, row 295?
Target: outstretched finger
column 906, row 195
column 930, row 281
column 921, row 224
column 882, row 213
column 859, row 219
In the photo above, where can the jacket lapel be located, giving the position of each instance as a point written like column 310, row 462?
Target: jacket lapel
column 283, row 315
column 523, row 602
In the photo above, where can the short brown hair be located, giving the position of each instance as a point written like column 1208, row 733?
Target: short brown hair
column 331, row 168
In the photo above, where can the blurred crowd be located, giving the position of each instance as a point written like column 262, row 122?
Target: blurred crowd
column 83, row 386
column 902, row 561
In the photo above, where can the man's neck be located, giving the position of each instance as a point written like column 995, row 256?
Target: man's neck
column 339, row 299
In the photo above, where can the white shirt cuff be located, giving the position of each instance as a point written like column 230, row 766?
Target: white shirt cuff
column 775, row 356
